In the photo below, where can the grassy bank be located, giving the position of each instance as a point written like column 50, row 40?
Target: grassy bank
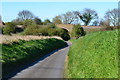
column 21, row 53
column 94, row 56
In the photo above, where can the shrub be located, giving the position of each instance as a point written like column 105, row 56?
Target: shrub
column 9, row 28
column 44, row 31
column 28, row 22
column 31, row 30
column 46, row 22
column 38, row 21
column 108, row 28
column 64, row 34
column 77, row 31
column 1, row 30
column 17, row 30
column 47, row 31
column 51, row 26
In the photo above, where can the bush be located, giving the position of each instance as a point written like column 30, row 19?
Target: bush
column 108, row 28
column 38, row 21
column 64, row 34
column 1, row 30
column 46, row 22
column 51, row 26
column 77, row 31
column 28, row 22
column 18, row 30
column 31, row 30
column 49, row 30
column 9, row 28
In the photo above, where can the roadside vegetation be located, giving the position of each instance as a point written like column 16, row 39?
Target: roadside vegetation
column 94, row 56
column 77, row 31
column 6, row 39
column 93, row 53
column 19, row 54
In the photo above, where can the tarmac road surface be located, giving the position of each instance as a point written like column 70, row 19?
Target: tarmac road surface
column 50, row 67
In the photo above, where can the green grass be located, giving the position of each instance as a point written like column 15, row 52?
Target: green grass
column 72, row 40
column 94, row 56
column 19, row 54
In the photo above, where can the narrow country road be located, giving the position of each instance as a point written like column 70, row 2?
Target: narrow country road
column 50, row 67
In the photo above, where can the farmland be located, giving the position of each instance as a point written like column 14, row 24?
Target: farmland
column 94, row 56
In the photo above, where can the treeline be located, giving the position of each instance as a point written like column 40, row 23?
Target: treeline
column 28, row 24
column 89, row 17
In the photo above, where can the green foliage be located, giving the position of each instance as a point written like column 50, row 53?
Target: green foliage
column 77, row 31
column 94, row 56
column 1, row 30
column 46, row 22
column 86, row 18
column 38, row 21
column 19, row 54
column 9, row 28
column 28, row 22
column 64, row 34
column 18, row 21
column 51, row 26
column 48, row 30
column 31, row 30
column 57, row 20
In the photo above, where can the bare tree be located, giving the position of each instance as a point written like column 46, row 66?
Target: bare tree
column 87, row 15
column 25, row 14
column 113, row 17
column 69, row 17
column 104, row 23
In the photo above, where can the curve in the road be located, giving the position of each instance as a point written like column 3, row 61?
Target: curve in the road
column 50, row 67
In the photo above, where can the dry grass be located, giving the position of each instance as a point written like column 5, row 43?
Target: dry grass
column 8, row 39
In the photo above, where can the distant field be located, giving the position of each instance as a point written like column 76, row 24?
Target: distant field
column 94, row 56
column 8, row 39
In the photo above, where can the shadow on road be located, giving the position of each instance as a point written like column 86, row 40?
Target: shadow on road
column 29, row 65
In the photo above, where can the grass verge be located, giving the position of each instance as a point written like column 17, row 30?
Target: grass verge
column 19, row 54
column 94, row 56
